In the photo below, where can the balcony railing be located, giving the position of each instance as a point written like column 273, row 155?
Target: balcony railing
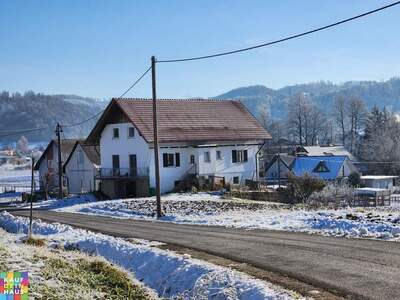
column 122, row 172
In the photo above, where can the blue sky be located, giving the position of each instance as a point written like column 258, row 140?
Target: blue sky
column 98, row 48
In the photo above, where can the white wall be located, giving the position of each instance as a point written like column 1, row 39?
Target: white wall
column 49, row 164
column 223, row 168
column 123, row 146
column 80, row 173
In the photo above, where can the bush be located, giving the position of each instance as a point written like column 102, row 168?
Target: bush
column 300, row 188
column 335, row 193
column 354, row 179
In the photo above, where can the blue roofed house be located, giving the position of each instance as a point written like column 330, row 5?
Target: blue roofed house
column 325, row 167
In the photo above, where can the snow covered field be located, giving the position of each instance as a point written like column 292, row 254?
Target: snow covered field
column 167, row 273
column 206, row 209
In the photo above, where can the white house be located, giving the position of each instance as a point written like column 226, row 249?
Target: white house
column 378, row 181
column 202, row 138
column 47, row 164
column 80, row 168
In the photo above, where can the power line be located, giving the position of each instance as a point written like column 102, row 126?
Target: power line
column 23, row 131
column 100, row 112
column 136, row 82
column 282, row 39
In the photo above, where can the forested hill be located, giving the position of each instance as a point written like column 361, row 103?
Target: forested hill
column 30, row 110
column 383, row 93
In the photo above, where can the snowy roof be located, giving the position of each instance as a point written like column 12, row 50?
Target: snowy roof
column 378, row 177
column 328, row 151
column 329, row 166
column 180, row 120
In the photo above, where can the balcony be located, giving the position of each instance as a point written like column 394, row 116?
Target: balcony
column 122, row 172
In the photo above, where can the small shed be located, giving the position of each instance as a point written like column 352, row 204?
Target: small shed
column 369, row 196
column 378, row 181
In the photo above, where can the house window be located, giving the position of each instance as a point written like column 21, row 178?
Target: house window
column 236, row 180
column 207, row 157
column 171, row 160
column 115, row 164
column 239, row 156
column 131, row 132
column 80, row 157
column 321, row 167
column 115, row 133
column 192, row 159
column 219, row 155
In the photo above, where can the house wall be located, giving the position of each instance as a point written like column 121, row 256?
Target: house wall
column 123, row 146
column 49, row 165
column 379, row 183
column 80, row 172
column 222, row 168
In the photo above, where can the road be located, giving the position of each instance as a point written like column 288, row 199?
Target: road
column 360, row 268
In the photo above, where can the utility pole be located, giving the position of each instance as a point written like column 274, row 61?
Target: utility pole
column 32, row 193
column 279, row 156
column 155, row 133
column 60, row 179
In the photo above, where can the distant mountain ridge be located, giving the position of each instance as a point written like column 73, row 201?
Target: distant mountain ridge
column 385, row 93
column 30, row 110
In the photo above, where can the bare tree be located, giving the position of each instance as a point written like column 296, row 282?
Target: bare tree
column 297, row 111
column 339, row 116
column 357, row 114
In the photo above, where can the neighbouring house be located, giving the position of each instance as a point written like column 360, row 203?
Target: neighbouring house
column 278, row 168
column 378, row 181
column 81, row 167
column 200, row 138
column 325, row 167
column 325, row 151
column 47, row 164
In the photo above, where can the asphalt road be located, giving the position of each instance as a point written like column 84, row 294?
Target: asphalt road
column 360, row 268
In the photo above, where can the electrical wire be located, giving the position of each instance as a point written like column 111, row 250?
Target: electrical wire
column 122, row 95
column 136, row 82
column 282, row 39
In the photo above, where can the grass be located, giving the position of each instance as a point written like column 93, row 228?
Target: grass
column 98, row 279
column 35, row 241
column 3, row 254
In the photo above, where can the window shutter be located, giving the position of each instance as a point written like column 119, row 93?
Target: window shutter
column 245, row 155
column 165, row 159
column 177, row 160
column 234, row 157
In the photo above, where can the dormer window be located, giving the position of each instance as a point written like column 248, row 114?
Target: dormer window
column 115, row 133
column 321, row 167
column 131, row 132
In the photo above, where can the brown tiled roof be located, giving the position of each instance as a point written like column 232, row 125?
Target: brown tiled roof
column 92, row 152
column 193, row 120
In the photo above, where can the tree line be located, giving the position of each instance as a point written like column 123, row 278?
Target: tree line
column 371, row 135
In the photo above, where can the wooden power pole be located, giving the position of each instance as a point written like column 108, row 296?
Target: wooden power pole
column 32, row 195
column 156, row 158
column 60, row 179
